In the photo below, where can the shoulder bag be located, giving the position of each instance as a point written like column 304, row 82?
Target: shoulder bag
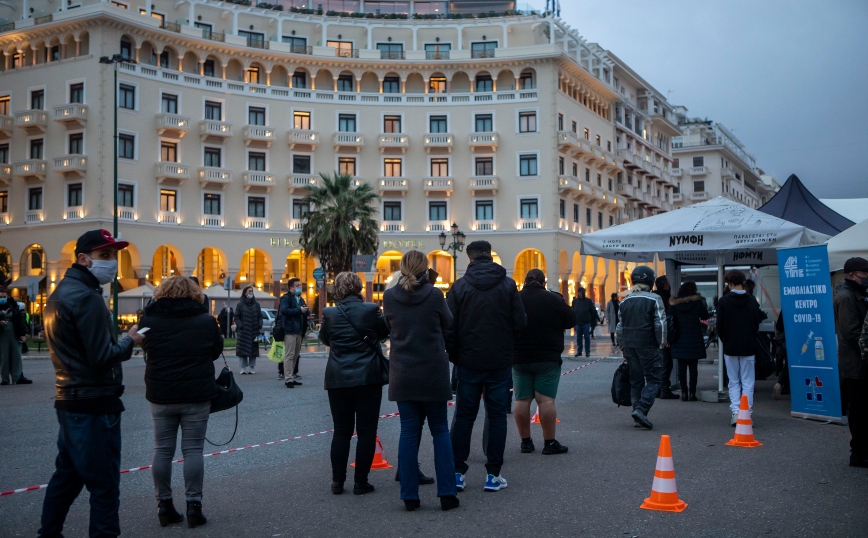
column 229, row 395
column 378, row 351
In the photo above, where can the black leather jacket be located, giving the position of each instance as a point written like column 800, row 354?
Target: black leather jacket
column 352, row 361
column 78, row 328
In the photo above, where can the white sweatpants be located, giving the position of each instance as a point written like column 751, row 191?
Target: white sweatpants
column 742, row 378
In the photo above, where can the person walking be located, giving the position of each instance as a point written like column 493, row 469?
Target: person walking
column 183, row 343
column 89, row 383
column 738, row 319
column 851, row 306
column 248, row 323
column 232, row 327
column 641, row 331
column 612, row 317
column 417, row 317
column 586, row 312
column 293, row 317
column 689, row 310
column 354, row 378
column 536, row 368
column 664, row 290
column 225, row 320
column 487, row 317
column 13, row 334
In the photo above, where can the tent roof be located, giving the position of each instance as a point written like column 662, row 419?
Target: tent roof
column 217, row 292
column 848, row 244
column 855, row 209
column 795, row 203
column 145, row 290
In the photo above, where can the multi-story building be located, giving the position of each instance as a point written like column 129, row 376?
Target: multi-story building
column 506, row 123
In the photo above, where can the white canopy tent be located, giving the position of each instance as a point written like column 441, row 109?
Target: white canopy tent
column 717, row 232
column 130, row 301
column 847, row 244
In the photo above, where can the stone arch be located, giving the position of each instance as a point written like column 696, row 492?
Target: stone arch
column 84, row 43
column 218, row 65
column 299, row 265
column 166, row 262
column 527, row 259
column 33, row 261
column 279, row 76
column 563, row 273
column 353, row 77
column 460, row 82
column 212, row 265
column 255, row 270
column 308, row 76
column 324, row 80
column 190, row 62
column 415, row 83
column 255, row 73
column 532, row 73
column 172, row 57
column 234, row 70
column 129, row 265
column 505, row 81
column 148, row 52
column 130, row 38
column 434, row 87
column 370, row 82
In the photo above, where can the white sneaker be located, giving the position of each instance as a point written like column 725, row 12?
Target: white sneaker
column 494, row 483
column 734, row 420
column 776, row 391
column 252, row 371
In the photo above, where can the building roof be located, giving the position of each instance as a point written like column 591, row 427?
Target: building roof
column 795, row 203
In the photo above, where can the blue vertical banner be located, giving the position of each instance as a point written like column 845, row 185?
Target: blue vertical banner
column 809, row 324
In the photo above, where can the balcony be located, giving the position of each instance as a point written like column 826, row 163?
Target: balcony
column 296, row 225
column 71, row 165
column 73, row 213
column 257, row 178
column 172, row 125
column 439, row 184
column 437, row 141
column 127, row 213
column 484, row 183
column 302, row 181
column 568, row 184
column 676, row 172
column 31, row 169
column 34, row 216
column 6, row 125
column 393, row 184
column 212, row 221
column 677, row 197
column 394, row 141
column 256, row 223
column 169, row 217
column 568, row 140
column 213, row 174
column 437, row 226
column 349, row 140
column 172, row 171
column 529, row 224
column 72, row 115
column 392, row 226
column 625, row 189
column 630, row 159
column 726, row 173
column 698, row 196
column 303, row 137
column 258, row 133
column 698, row 171
column 32, row 121
column 215, row 129
column 355, row 183
column 5, row 173
column 483, row 226
column 483, row 140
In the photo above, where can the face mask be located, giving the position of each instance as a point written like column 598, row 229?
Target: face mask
column 104, row 270
column 250, row 296
column 298, row 291
column 864, row 282
column 2, row 300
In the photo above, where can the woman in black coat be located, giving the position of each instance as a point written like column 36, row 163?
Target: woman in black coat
column 182, row 342
column 353, row 378
column 688, row 345
column 248, row 323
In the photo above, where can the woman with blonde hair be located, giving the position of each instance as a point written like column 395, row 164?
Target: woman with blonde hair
column 417, row 317
column 183, row 342
column 354, row 378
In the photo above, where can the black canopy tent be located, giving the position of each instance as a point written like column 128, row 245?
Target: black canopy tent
column 795, row 203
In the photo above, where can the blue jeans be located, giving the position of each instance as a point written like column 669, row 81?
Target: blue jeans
column 88, row 455
column 473, row 384
column 583, row 331
column 412, row 415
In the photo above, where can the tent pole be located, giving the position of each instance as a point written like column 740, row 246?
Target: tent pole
column 720, row 260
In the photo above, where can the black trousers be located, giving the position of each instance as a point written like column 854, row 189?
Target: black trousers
column 683, row 367
column 857, row 417
column 354, row 408
column 666, row 382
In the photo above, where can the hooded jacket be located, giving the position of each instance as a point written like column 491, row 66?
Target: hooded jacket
column 851, row 305
column 548, row 316
column 248, row 321
column 738, row 319
column 418, row 364
column 686, row 312
column 487, row 316
column 641, row 320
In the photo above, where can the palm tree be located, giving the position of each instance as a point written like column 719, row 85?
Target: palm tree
column 341, row 222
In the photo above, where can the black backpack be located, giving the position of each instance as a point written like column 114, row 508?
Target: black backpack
column 621, row 386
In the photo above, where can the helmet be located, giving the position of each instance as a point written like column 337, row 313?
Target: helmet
column 643, row 275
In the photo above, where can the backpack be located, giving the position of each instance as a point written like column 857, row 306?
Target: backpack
column 277, row 330
column 621, row 386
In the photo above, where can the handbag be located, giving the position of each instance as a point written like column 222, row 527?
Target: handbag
column 229, row 394
column 621, row 386
column 277, row 351
column 378, row 351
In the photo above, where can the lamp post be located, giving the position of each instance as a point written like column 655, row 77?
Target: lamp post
column 456, row 246
column 114, row 61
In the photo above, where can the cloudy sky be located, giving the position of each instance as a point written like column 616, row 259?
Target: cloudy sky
column 789, row 77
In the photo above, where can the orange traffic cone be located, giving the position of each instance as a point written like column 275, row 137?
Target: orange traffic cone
column 744, row 427
column 379, row 461
column 535, row 418
column 664, row 494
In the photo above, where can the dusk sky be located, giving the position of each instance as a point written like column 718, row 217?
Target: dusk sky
column 789, row 77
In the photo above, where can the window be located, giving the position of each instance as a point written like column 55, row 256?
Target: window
column 164, row 59
column 253, row 75
column 214, row 110
column 301, row 120
column 34, row 199
column 560, row 165
column 256, row 161
column 483, row 49
column 436, row 210
column 37, row 147
column 437, row 51
column 254, row 39
column 391, row 85
column 208, row 68
column 562, row 208
column 392, row 211
column 37, row 99
column 206, row 29
column 347, row 166
column 347, row 123
column 168, row 152
column 575, row 213
column 484, row 210
column 169, row 103
column 484, row 166
column 525, row 81
column 699, row 186
column 256, row 207
column 676, row 163
column 391, row 124
column 560, row 122
column 484, row 83
column 599, row 180
column 301, row 164
column 575, row 127
column 599, row 220
column 300, row 209
column 4, row 153
column 343, row 49
column 527, row 165
column 588, row 216
column 608, row 145
column 127, row 96
column 4, row 106
column 484, row 123
column 299, row 79
column 611, row 221
column 597, row 140
column 391, row 51
column 587, row 175
column 76, row 143
column 52, row 54
column 437, row 85
column 76, row 92
column 576, row 169
column 527, row 122
column 345, row 83
column 297, row 45
column 699, row 161
column 392, row 167
column 437, row 124
column 213, row 157
column 126, row 49
column 211, row 204
column 529, row 208
column 587, row 134
column 73, row 195
column 255, row 115
column 439, row 167
column 610, row 185
column 4, row 202
column 126, row 195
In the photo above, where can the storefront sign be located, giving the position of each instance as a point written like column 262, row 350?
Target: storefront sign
column 809, row 323
column 363, row 263
column 285, row 242
column 392, row 245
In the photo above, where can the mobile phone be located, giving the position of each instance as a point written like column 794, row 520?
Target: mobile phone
column 143, row 330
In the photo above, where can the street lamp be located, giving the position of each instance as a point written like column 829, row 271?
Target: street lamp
column 456, row 246
column 114, row 61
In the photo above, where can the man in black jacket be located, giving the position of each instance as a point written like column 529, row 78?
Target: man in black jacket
column 487, row 315
column 87, row 363
column 664, row 290
column 586, row 313
column 851, row 306
column 293, row 317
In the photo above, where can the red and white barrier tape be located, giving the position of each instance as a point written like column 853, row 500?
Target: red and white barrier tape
column 239, row 449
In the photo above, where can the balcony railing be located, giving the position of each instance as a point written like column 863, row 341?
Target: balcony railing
column 568, row 183
column 437, row 55
column 698, row 171
column 257, row 43
column 625, row 189
column 169, row 170
column 73, row 213
column 169, row 217
column 213, row 36
column 483, row 226
column 220, row 129
column 73, row 113
column 33, row 168
column 127, row 213
column 483, row 140
column 677, row 197
column 213, row 174
column 43, row 19
column 31, row 120
column 484, row 53
column 351, row 140
column 5, row 173
column 568, row 139
column 437, row 140
column 171, row 26
column 34, row 216
column 529, row 224
column 346, row 53
column 6, row 125
column 256, row 223
column 484, row 183
column 676, row 172
column 695, row 196
column 392, row 226
column 437, row 226
column 302, row 49
column 212, row 221
column 392, row 55
column 71, row 164
column 394, row 141
column 258, row 133
column 302, row 181
column 257, row 178
column 172, row 123
column 393, row 184
column 438, row 184
column 304, row 137
column 296, row 225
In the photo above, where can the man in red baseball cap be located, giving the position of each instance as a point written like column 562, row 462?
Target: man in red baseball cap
column 89, row 382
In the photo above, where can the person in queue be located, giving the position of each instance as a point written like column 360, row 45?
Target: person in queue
column 293, row 316
column 89, row 383
column 248, row 323
column 13, row 333
column 612, row 317
column 663, row 288
column 689, row 310
column 586, row 312
column 353, row 379
column 183, row 343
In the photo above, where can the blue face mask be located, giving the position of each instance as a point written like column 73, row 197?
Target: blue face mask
column 298, row 291
column 2, row 300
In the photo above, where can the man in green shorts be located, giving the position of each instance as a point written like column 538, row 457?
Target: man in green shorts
column 536, row 368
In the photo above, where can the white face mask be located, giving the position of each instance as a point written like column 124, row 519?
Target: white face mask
column 104, row 270
column 250, row 296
